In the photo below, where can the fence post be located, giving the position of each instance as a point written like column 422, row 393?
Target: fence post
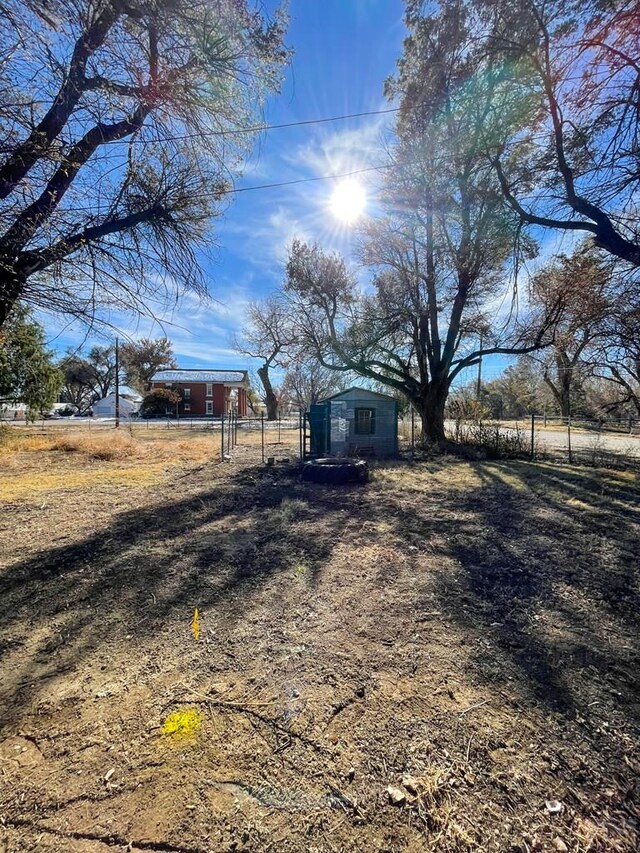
column 262, row 433
column 569, row 438
column 304, row 435
column 279, row 422
column 545, row 416
column 222, row 438
column 533, row 426
column 413, row 432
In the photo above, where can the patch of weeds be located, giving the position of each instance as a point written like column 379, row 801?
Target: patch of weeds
column 301, row 568
column 288, row 511
column 115, row 447
column 491, row 441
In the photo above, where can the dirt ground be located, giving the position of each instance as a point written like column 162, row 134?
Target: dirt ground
column 467, row 633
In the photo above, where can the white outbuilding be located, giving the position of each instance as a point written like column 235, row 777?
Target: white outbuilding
column 130, row 402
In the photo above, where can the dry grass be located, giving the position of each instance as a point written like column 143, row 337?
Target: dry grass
column 112, row 445
column 423, row 477
column 32, row 463
column 12, row 442
column 27, row 485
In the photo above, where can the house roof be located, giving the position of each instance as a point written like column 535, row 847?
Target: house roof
column 364, row 391
column 125, row 393
column 188, row 375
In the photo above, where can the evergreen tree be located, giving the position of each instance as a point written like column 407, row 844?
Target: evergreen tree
column 27, row 372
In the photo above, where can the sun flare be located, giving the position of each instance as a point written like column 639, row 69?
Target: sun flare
column 348, row 201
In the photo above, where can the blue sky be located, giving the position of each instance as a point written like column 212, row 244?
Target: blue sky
column 343, row 52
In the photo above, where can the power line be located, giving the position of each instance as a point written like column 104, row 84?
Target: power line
column 303, row 180
column 234, row 190
column 308, row 121
column 258, row 128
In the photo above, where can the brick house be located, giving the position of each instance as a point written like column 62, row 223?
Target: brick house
column 206, row 392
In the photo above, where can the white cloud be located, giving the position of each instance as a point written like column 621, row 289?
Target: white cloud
column 343, row 150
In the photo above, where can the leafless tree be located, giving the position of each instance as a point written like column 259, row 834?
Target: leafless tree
column 617, row 358
column 307, row 381
column 386, row 336
column 121, row 124
column 573, row 75
column 582, row 285
column 268, row 336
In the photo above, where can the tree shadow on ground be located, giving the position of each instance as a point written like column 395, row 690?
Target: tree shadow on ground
column 206, row 549
column 545, row 571
column 549, row 576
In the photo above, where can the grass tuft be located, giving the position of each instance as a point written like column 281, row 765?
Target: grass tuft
column 116, row 447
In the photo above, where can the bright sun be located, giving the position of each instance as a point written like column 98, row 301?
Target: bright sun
column 348, row 201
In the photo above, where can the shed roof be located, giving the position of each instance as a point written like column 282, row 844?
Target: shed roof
column 124, row 393
column 189, row 375
column 366, row 392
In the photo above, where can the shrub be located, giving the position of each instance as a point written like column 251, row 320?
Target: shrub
column 494, row 441
column 157, row 402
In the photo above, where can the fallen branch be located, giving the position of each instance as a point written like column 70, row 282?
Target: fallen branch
column 473, row 707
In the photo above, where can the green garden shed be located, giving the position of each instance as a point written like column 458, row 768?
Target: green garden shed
column 355, row 422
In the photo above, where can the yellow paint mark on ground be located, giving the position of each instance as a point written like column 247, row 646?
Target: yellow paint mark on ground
column 15, row 487
column 182, row 724
column 195, row 625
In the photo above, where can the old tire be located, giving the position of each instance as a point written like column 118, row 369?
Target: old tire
column 335, row 471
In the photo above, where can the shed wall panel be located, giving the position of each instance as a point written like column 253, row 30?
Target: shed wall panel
column 345, row 440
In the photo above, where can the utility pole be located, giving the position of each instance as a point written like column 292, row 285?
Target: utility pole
column 479, row 380
column 117, row 385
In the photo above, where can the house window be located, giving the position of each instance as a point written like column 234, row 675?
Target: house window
column 187, row 407
column 209, row 407
column 186, row 393
column 209, row 389
column 365, row 421
column 167, row 384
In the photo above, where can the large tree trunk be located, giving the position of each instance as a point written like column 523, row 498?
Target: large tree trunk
column 431, row 410
column 565, row 378
column 269, row 394
column 561, row 388
column 11, row 287
column 565, row 396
